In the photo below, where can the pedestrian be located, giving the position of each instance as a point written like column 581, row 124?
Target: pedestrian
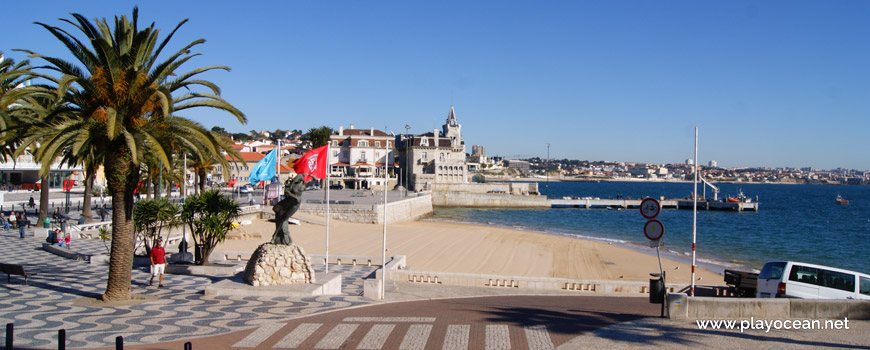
column 31, row 203
column 103, row 213
column 158, row 263
column 4, row 221
column 59, row 236
column 67, row 240
column 21, row 224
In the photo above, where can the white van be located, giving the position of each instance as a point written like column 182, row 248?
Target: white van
column 791, row 279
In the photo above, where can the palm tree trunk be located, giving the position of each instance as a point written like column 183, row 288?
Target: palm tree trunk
column 43, row 199
column 202, row 177
column 122, row 179
column 89, row 189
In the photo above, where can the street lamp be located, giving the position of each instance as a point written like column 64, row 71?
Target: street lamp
column 407, row 151
column 548, row 170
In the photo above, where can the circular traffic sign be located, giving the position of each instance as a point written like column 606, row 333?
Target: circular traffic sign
column 653, row 230
column 649, row 208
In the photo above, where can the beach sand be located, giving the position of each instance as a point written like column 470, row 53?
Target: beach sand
column 467, row 248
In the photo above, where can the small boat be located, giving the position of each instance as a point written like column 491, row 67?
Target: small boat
column 841, row 200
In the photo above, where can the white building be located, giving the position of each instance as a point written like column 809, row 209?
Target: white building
column 357, row 158
column 434, row 157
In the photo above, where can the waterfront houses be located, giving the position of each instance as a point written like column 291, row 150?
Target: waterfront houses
column 357, row 158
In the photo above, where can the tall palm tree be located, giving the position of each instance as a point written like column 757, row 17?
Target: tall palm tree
column 46, row 102
column 136, row 93
column 12, row 79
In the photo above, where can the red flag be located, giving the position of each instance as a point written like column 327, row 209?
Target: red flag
column 231, row 183
column 312, row 163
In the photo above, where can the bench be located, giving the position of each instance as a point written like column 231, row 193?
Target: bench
column 13, row 269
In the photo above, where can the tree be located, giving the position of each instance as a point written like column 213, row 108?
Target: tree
column 209, row 215
column 132, row 94
column 12, row 79
column 150, row 217
column 319, row 136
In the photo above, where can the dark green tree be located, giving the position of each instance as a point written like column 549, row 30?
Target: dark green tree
column 209, row 215
column 319, row 136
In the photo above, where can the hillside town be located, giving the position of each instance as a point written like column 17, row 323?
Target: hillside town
column 416, row 162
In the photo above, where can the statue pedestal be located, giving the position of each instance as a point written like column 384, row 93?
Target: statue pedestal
column 278, row 264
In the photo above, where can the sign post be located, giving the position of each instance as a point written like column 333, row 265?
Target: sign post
column 654, row 230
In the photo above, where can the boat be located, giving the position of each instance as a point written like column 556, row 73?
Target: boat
column 841, row 200
column 741, row 198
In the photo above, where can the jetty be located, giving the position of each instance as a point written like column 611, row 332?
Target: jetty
column 677, row 203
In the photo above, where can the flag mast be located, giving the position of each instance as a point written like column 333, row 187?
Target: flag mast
column 384, row 250
column 328, row 168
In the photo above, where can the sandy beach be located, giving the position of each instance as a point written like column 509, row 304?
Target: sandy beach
column 466, row 248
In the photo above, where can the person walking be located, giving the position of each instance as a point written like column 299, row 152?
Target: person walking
column 31, row 203
column 158, row 264
column 21, row 224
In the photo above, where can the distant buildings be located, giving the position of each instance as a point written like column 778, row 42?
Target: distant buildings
column 434, row 157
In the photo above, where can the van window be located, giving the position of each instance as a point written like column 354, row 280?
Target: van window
column 804, row 274
column 865, row 285
column 838, row 280
column 772, row 271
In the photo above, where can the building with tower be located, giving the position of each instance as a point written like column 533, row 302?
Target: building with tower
column 433, row 157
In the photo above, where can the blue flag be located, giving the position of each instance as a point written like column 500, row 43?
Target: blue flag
column 265, row 168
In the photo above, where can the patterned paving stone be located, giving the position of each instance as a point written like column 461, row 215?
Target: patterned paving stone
column 38, row 310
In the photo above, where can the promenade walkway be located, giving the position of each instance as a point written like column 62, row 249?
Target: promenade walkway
column 413, row 317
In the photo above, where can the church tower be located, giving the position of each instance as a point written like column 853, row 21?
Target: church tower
column 451, row 130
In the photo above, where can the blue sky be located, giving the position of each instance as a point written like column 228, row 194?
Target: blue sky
column 768, row 83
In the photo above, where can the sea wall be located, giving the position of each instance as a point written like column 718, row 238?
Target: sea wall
column 681, row 306
column 408, row 209
column 487, row 200
column 515, row 188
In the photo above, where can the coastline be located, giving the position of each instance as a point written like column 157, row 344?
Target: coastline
column 480, row 249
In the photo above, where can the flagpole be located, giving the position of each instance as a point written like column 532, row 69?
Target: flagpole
column 694, row 213
column 384, row 250
column 328, row 170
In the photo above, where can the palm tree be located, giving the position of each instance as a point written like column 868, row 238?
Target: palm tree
column 12, row 79
column 29, row 110
column 134, row 97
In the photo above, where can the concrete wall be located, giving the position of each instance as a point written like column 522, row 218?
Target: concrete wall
column 516, row 188
column 408, row 209
column 530, row 284
column 681, row 306
column 487, row 200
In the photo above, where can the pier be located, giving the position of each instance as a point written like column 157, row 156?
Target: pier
column 590, row 203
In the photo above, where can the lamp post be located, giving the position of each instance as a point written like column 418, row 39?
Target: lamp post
column 548, row 170
column 407, row 152
column 68, row 189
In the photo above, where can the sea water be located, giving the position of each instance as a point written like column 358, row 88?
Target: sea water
column 794, row 222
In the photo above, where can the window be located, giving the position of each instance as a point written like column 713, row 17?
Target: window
column 334, row 143
column 424, row 142
column 378, row 144
column 423, row 156
column 362, row 143
column 377, row 155
column 804, row 274
column 441, row 157
column 345, row 143
column 388, row 144
column 335, row 154
column 772, row 271
column 865, row 285
column 362, row 156
column 838, row 280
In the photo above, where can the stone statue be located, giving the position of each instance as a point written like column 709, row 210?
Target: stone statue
column 288, row 206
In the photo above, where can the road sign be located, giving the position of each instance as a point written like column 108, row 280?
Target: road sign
column 653, row 230
column 649, row 208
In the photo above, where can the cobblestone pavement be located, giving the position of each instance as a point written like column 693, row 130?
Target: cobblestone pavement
column 431, row 317
column 48, row 302
column 493, row 322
